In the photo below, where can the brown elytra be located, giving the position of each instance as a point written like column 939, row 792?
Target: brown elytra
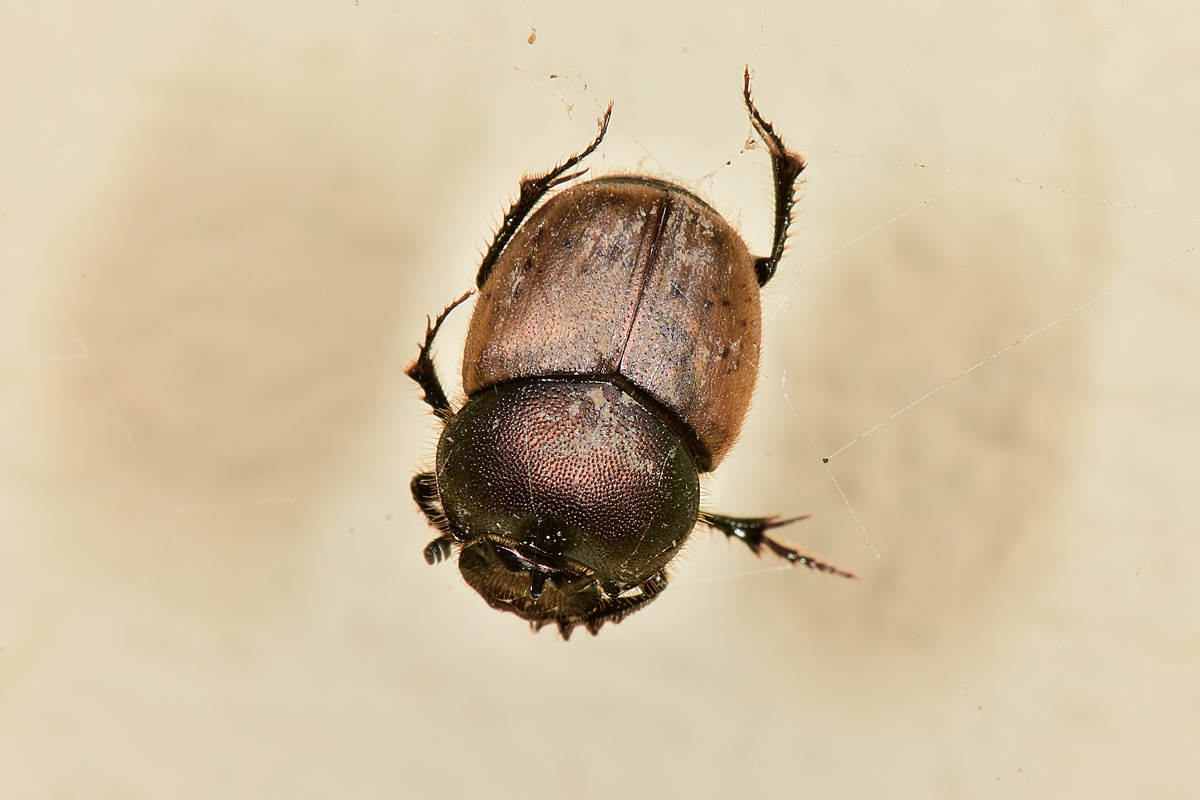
column 634, row 279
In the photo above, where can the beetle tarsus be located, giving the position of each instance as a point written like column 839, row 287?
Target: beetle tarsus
column 423, row 371
column 786, row 166
column 532, row 190
column 753, row 532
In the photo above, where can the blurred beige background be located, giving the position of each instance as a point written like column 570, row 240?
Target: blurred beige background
column 222, row 225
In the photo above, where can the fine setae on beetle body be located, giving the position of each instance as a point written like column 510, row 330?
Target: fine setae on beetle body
column 610, row 361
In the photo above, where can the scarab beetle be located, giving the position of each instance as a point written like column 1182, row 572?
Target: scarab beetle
column 610, row 360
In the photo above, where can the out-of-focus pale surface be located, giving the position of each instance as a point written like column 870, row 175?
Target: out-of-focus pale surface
column 221, row 227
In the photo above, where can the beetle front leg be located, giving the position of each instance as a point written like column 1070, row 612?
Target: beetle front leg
column 786, row 166
column 613, row 609
column 752, row 531
column 532, row 190
column 423, row 371
column 424, row 491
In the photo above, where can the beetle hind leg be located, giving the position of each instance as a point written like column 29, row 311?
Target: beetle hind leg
column 534, row 189
column 752, row 531
column 786, row 166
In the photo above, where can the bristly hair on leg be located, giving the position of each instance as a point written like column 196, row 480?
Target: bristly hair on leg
column 786, row 166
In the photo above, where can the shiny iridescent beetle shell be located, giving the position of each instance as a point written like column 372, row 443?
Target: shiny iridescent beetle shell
column 610, row 360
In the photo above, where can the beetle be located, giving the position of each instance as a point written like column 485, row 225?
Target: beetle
column 609, row 362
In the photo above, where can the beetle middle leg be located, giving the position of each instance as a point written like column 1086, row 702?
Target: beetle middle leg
column 753, row 532
column 423, row 371
column 532, row 190
column 786, row 166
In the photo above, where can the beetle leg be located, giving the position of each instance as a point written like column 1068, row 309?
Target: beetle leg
column 752, row 531
column 424, row 491
column 786, row 166
column 423, row 371
column 618, row 608
column 532, row 190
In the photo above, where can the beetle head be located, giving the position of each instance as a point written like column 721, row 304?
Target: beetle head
column 568, row 497
column 544, row 588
